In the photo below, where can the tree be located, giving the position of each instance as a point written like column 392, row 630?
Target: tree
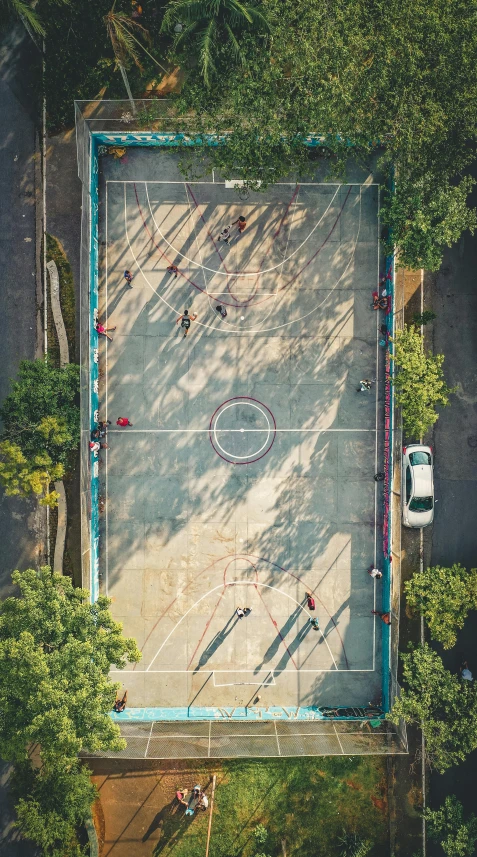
column 419, row 383
column 56, row 650
column 353, row 845
column 21, row 477
column 52, row 802
column 425, row 216
column 440, row 703
column 444, row 596
column 121, row 28
column 41, row 414
column 28, row 15
column 361, row 75
column 447, row 826
column 207, row 24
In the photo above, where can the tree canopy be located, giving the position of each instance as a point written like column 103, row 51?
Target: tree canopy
column 361, row 74
column 52, row 802
column 418, row 382
column 448, row 826
column 444, row 706
column 444, row 596
column 41, row 412
column 56, row 649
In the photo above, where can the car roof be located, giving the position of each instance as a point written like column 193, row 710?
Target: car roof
column 422, row 480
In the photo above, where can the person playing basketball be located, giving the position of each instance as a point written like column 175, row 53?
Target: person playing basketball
column 185, row 320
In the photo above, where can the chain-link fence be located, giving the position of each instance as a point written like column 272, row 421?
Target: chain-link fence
column 210, row 739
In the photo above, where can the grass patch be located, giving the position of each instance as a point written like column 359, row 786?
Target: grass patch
column 309, row 803
column 55, row 252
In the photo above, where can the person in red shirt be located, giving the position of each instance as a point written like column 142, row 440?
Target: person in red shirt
column 123, row 421
column 310, row 601
column 240, row 224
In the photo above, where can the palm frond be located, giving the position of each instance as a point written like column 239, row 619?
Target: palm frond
column 259, row 18
column 185, row 11
column 25, row 12
column 207, row 47
column 119, row 27
column 186, row 32
column 236, row 49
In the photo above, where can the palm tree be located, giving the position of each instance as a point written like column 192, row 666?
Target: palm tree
column 121, row 28
column 209, row 23
column 29, row 17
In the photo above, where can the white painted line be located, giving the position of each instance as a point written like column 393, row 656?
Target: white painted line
column 279, row 184
column 241, row 274
column 238, row 583
column 240, row 431
column 240, row 330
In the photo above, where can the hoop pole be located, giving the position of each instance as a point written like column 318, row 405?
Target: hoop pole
column 210, row 816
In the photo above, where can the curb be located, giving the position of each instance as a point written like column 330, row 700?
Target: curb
column 64, row 360
column 92, row 836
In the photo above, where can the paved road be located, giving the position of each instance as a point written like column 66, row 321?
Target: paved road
column 454, row 537
column 18, row 68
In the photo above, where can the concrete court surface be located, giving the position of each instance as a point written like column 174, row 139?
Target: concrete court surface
column 247, row 477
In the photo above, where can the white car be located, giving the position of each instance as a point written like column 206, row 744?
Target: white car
column 417, row 485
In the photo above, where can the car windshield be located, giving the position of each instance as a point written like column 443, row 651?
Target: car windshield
column 419, row 458
column 421, row 504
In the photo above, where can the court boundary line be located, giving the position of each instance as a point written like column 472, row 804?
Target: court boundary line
column 283, row 430
column 275, row 184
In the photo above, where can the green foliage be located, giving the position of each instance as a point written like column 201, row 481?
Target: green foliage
column 55, row 251
column 261, row 834
column 419, row 382
column 25, row 10
column 52, row 803
column 447, row 826
column 443, row 706
column 207, row 25
column 21, row 477
column 426, row 215
column 41, row 413
column 423, row 318
column 359, row 72
column 299, row 800
column 353, row 845
column 444, row 596
column 56, row 649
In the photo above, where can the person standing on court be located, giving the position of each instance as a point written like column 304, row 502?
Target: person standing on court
column 225, row 234
column 240, row 223
column 123, row 421
column 221, row 310
column 128, row 277
column 310, row 601
column 173, row 269
column 185, row 320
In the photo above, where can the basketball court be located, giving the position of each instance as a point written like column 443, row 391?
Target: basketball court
column 246, row 479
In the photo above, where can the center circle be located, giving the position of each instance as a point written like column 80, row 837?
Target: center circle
column 235, row 443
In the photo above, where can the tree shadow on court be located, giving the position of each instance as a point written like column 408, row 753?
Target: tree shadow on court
column 280, row 640
column 216, row 642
